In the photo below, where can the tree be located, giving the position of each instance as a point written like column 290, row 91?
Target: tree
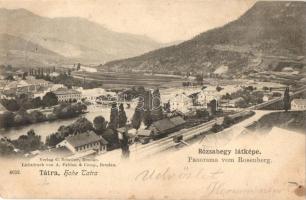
column 114, row 117
column 227, row 96
column 111, row 138
column 167, row 107
column 203, row 113
column 36, row 102
column 78, row 66
column 124, row 143
column 24, row 75
column 99, row 124
column 199, row 79
column 122, row 116
column 227, row 121
column 140, row 90
column 157, row 112
column 50, row 99
column 69, row 110
column 37, row 116
column 6, row 120
column 28, row 142
column 136, row 120
column 216, row 128
column 250, row 88
column 10, row 104
column 286, row 99
column 147, row 118
column 218, row 88
column 213, row 106
column 69, row 72
column 81, row 125
column 6, row 148
column 9, row 77
column 21, row 117
column 53, row 139
column 31, row 133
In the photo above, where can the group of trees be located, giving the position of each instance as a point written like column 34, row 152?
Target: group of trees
column 25, row 102
column 250, row 97
column 29, row 142
column 25, row 143
column 65, row 110
column 6, row 148
column 132, row 93
column 227, row 122
column 24, row 117
column 100, row 124
column 148, row 116
column 118, row 118
column 69, row 81
column 202, row 113
column 79, row 126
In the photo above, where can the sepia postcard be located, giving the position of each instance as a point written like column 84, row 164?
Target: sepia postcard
column 153, row 99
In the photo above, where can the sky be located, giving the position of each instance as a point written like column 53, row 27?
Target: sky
column 162, row 20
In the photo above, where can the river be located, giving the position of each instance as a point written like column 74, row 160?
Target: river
column 46, row 128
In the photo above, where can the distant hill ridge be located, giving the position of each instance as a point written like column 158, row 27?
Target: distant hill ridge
column 74, row 38
column 268, row 28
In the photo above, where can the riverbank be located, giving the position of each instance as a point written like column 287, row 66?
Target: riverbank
column 46, row 128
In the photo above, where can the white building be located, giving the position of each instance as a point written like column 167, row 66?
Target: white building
column 298, row 104
column 207, row 95
column 210, row 93
column 51, row 88
column 84, row 142
column 234, row 103
column 65, row 95
column 92, row 94
column 28, row 85
column 267, row 97
column 180, row 102
column 54, row 74
column 88, row 69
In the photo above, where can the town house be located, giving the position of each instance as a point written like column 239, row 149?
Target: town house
column 298, row 104
column 65, row 95
column 88, row 141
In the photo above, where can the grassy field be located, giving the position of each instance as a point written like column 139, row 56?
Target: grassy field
column 123, row 80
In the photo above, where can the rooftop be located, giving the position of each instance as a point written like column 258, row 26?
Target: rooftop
column 2, row 108
column 177, row 120
column 62, row 151
column 168, row 123
column 237, row 100
column 24, row 83
column 85, row 138
column 144, row 132
column 299, row 101
column 64, row 91
column 163, row 125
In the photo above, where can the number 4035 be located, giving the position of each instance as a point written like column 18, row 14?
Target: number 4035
column 16, row 171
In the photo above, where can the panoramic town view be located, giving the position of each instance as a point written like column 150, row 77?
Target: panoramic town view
column 80, row 90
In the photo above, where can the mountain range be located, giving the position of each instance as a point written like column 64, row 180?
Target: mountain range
column 29, row 39
column 268, row 29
